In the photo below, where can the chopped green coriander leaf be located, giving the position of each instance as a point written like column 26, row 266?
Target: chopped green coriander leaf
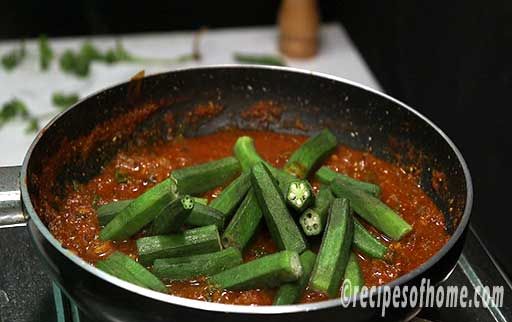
column 75, row 63
column 33, row 125
column 14, row 57
column 13, row 109
column 64, row 100
column 90, row 52
column 117, row 54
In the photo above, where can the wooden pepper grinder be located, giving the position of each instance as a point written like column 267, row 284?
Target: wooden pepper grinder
column 298, row 28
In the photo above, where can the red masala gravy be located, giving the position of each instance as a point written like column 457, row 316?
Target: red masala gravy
column 76, row 225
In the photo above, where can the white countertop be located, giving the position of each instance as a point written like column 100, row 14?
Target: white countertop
column 337, row 57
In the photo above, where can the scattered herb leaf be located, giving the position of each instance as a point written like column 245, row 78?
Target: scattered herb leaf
column 74, row 63
column 117, row 54
column 14, row 57
column 16, row 109
column 67, row 60
column 259, row 59
column 76, row 185
column 13, row 109
column 78, row 62
column 64, row 100
column 89, row 52
column 45, row 52
column 33, row 125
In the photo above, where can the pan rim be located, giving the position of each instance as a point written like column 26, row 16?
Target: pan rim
column 243, row 309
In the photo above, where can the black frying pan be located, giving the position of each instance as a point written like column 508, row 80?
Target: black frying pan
column 76, row 144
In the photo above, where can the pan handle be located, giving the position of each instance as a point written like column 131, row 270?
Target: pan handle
column 11, row 213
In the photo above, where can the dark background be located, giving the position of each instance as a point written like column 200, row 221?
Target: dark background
column 449, row 60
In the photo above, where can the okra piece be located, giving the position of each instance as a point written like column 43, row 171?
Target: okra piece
column 245, row 151
column 290, row 293
column 246, row 154
column 172, row 218
column 244, row 223
column 334, row 250
column 313, row 219
column 201, row 201
column 326, row 175
column 229, row 199
column 353, row 279
column 296, row 192
column 140, row 212
column 125, row 268
column 195, row 241
column 365, row 242
column 281, row 225
column 299, row 195
column 202, row 215
column 374, row 211
column 264, row 272
column 310, row 153
column 108, row 211
column 206, row 176
column 188, row 267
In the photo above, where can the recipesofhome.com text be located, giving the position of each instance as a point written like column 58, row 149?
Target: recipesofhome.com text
column 425, row 295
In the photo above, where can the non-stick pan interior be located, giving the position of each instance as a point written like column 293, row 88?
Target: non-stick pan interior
column 147, row 111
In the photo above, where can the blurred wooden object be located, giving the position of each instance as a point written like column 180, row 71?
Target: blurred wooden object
column 298, row 28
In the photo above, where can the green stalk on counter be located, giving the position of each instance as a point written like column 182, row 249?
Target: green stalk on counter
column 258, row 59
column 45, row 52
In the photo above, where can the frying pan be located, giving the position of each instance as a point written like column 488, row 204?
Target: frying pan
column 78, row 142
